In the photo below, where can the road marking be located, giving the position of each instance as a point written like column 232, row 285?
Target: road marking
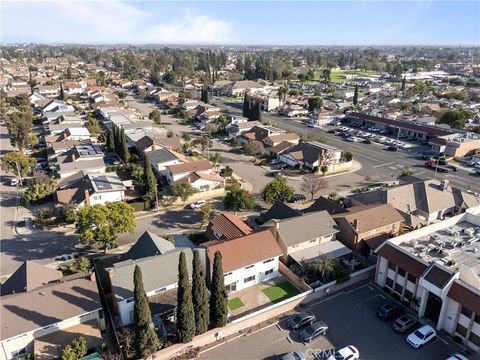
column 371, row 288
column 355, row 289
column 392, row 168
column 288, row 339
column 383, row 297
column 390, row 163
column 419, row 173
column 367, row 300
column 278, row 327
column 444, row 341
column 321, row 301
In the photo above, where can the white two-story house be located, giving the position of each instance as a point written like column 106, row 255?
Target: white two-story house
column 247, row 260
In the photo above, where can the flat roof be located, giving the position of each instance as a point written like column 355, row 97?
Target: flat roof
column 333, row 248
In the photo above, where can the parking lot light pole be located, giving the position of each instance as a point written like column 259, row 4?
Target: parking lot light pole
column 436, row 167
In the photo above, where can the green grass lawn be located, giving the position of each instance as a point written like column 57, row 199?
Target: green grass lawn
column 279, row 292
column 340, row 76
column 235, row 303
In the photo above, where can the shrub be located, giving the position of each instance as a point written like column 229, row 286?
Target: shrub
column 138, row 206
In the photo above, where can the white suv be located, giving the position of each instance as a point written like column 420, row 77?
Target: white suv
column 197, row 204
column 421, row 336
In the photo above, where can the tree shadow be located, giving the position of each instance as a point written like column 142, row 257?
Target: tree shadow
column 31, row 315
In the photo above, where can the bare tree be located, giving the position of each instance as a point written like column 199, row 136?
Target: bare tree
column 312, row 184
column 254, row 148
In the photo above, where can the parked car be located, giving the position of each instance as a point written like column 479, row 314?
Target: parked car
column 298, row 197
column 14, row 182
column 421, row 336
column 351, row 139
column 332, row 131
column 313, row 331
column 403, row 324
column 366, row 141
column 294, row 355
column 197, row 204
column 391, row 148
column 273, row 173
column 275, row 162
column 300, row 320
column 457, row 356
column 346, row 353
column 388, row 311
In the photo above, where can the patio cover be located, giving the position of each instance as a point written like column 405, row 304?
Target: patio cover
column 333, row 248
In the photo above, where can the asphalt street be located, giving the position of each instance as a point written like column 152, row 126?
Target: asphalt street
column 377, row 163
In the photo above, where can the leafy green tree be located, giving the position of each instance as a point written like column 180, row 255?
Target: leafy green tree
column 215, row 159
column 82, row 264
column 206, row 210
column 200, row 296
column 102, row 223
column 219, row 296
column 204, row 141
column 237, row 198
column 137, row 173
column 222, row 122
column 204, row 96
column 93, row 125
column 183, row 191
column 277, row 190
column 150, row 183
column 123, row 151
column 25, row 163
column 326, row 75
column 111, row 140
column 355, row 96
column 155, row 116
column 406, row 171
column 324, row 169
column 226, row 172
column 68, row 213
column 146, row 340
column 315, row 103
column 43, row 217
column 40, row 193
column 185, row 313
column 76, row 350
column 456, row 119
column 20, row 125
column 347, row 155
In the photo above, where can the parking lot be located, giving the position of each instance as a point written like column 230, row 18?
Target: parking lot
column 351, row 317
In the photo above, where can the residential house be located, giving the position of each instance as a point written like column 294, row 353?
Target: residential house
column 178, row 171
column 162, row 158
column 49, row 313
column 48, row 90
column 68, row 168
column 366, row 227
column 73, row 88
column 246, row 261
column 293, row 110
column 277, row 138
column 149, row 143
column 160, row 280
column 148, row 244
column 420, row 202
column 239, row 88
column 266, row 102
column 236, row 129
column 434, row 270
column 306, row 237
column 259, row 133
column 279, row 211
column 92, row 189
column 226, row 226
column 310, row 155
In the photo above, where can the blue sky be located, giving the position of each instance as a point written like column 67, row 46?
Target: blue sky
column 247, row 22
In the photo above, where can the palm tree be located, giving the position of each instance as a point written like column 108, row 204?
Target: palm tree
column 282, row 94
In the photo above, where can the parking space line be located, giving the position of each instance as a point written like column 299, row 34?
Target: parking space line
column 367, row 300
column 444, row 341
column 390, row 163
column 323, row 300
column 278, row 327
column 288, row 339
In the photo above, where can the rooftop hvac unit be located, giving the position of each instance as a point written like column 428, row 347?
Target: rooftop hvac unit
column 414, row 242
column 469, row 231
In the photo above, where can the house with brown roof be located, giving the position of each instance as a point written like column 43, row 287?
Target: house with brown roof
column 306, row 237
column 259, row 133
column 276, row 139
column 199, row 174
column 49, row 313
column 366, row 227
column 226, row 226
column 435, row 270
column 310, row 155
column 247, row 260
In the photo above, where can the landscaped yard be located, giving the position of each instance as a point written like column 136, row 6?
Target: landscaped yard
column 235, row 303
column 281, row 291
column 341, row 76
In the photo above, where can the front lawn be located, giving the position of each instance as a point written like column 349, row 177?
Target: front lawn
column 235, row 303
column 280, row 292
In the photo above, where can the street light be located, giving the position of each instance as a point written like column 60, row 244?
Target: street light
column 18, row 171
column 436, row 166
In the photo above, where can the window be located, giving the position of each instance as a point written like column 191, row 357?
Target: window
column 217, row 235
column 50, row 327
column 249, row 267
column 268, row 272
column 398, row 288
column 401, row 272
column 389, row 283
column 229, row 273
column 408, row 295
column 392, row 266
column 466, row 312
column 267, row 261
column 412, row 278
column 132, row 316
column 97, row 197
column 474, row 338
column 158, row 291
column 462, row 330
column 130, row 300
column 248, row 279
column 477, row 319
column 313, row 241
column 295, row 246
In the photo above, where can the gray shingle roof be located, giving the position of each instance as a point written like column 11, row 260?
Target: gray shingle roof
column 161, row 155
column 158, row 272
column 148, row 244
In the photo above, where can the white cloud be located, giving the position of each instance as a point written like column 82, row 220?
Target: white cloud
column 106, row 22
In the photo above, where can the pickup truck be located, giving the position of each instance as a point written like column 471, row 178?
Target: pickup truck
column 442, row 162
column 433, row 165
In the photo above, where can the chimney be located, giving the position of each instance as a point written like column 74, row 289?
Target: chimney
column 356, row 224
column 74, row 158
column 87, row 197
column 110, row 273
column 93, row 277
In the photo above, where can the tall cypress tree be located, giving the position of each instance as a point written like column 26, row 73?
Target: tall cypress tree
column 185, row 314
column 355, row 96
column 404, row 80
column 219, row 297
column 123, row 146
column 204, row 95
column 259, row 112
column 146, row 340
column 150, row 183
column 111, row 140
column 199, row 295
column 245, row 106
column 116, row 141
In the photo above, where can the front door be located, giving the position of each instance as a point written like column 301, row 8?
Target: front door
column 434, row 305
